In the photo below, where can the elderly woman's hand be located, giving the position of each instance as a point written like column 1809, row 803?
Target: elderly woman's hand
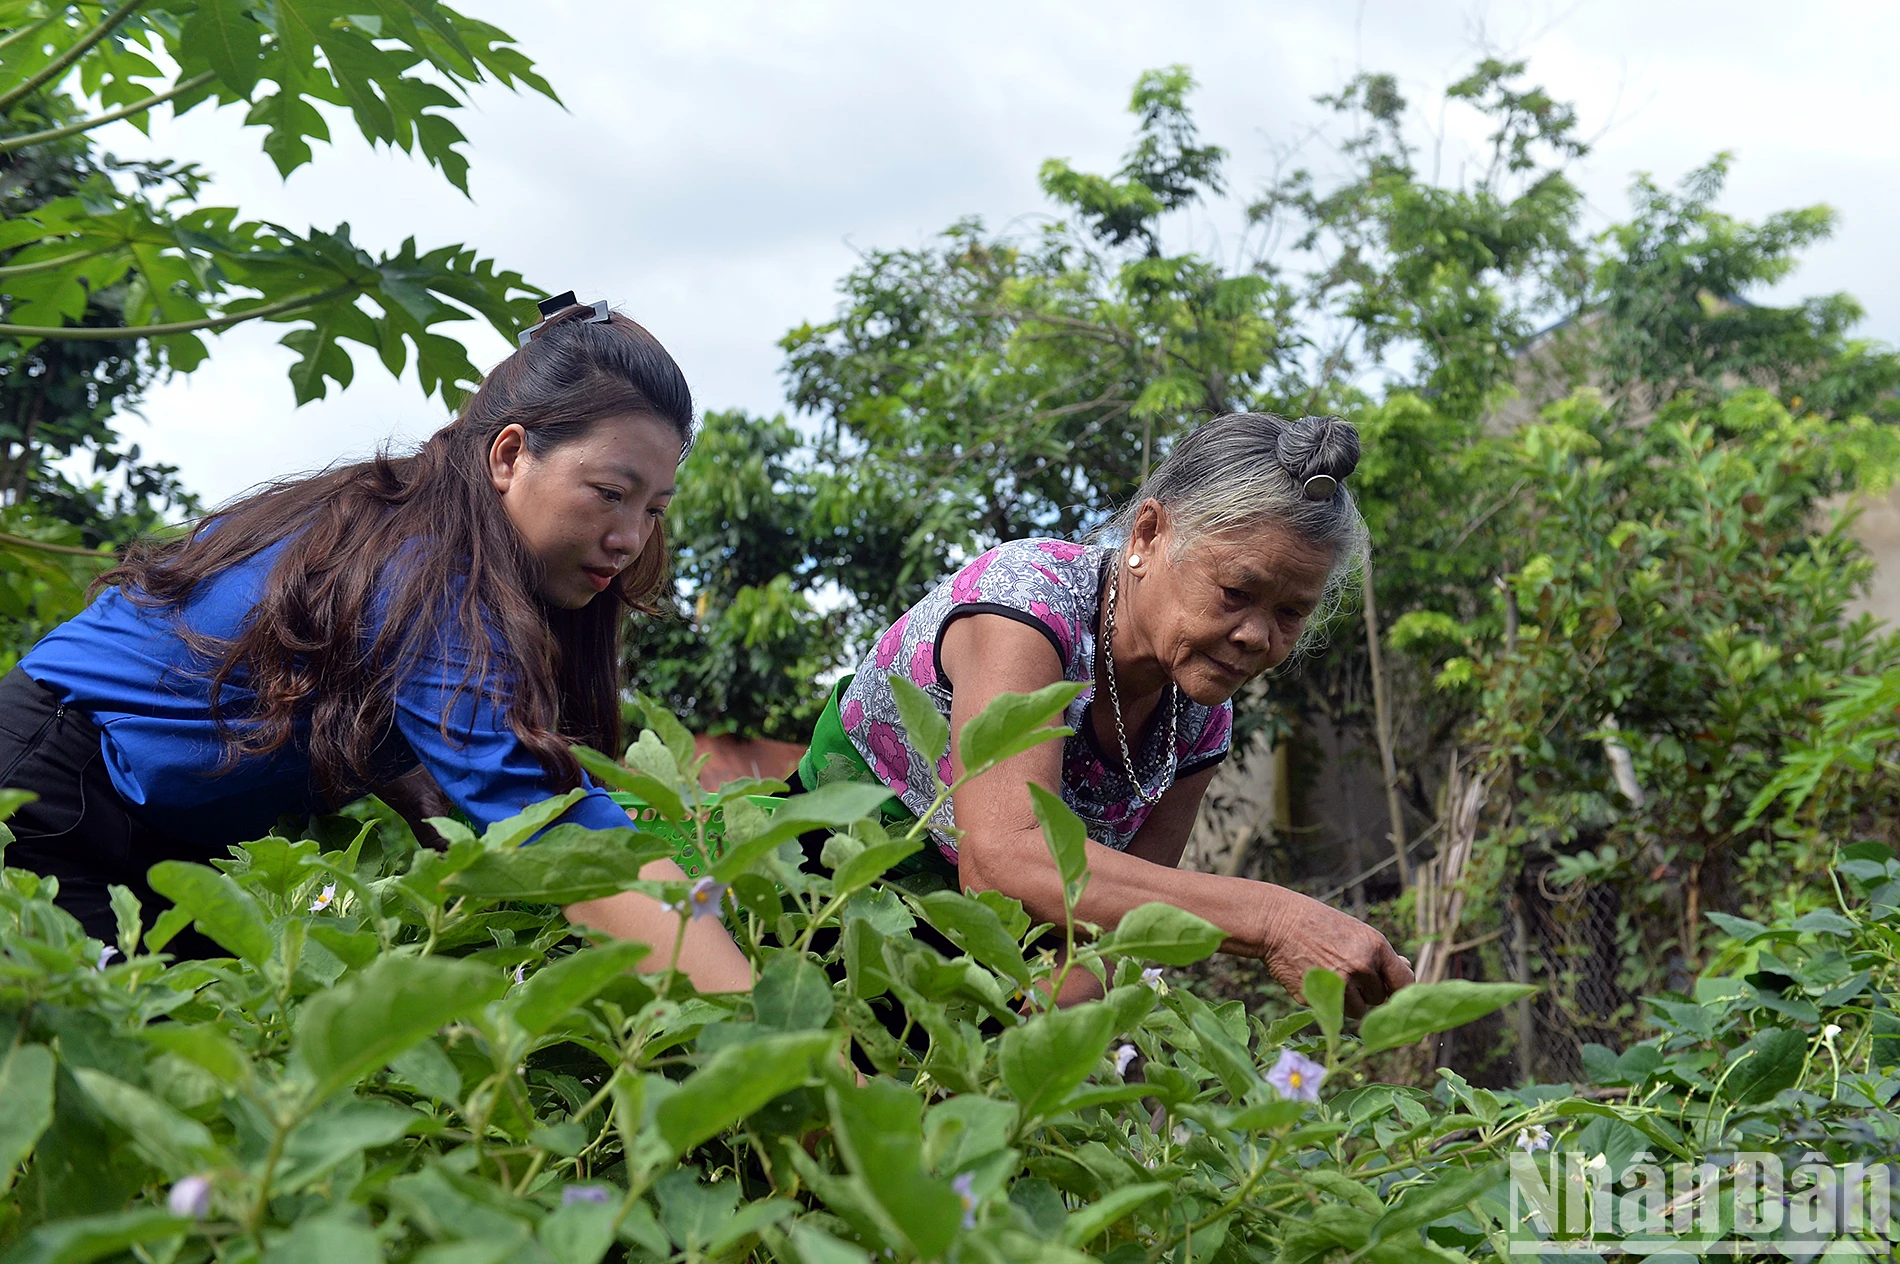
column 1302, row 934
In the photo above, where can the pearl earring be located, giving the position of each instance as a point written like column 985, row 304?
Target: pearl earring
column 1134, row 561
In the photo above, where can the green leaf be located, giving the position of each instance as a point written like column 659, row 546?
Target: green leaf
column 567, row 864
column 1013, row 723
column 828, row 807
column 1738, row 928
column 792, row 994
column 579, row 1233
column 1225, row 1056
column 738, row 1081
column 1424, row 1204
column 329, row 1237
column 176, row 1143
column 814, row 1246
column 334, row 1136
column 1326, row 995
column 928, row 730
column 879, row 1128
column 1065, row 833
column 1163, row 933
column 1085, row 1223
column 657, row 795
column 525, row 824
column 667, row 727
column 551, row 994
column 363, row 1022
column 88, row 1238
column 1425, row 1009
column 872, row 863
column 1768, row 1063
column 221, row 908
column 975, row 928
column 222, row 35
column 202, row 1045
column 1043, row 1060
column 26, row 1105
column 1824, row 921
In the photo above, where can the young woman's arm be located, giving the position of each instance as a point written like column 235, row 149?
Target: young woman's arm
column 707, row 955
column 1002, row 847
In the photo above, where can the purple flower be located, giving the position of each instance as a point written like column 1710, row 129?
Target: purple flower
column 521, row 973
column 106, row 954
column 1062, row 550
column 1534, row 1138
column 944, row 772
column 1297, row 1077
column 190, row 1198
column 574, row 1194
column 851, row 714
column 923, row 667
column 705, row 898
column 964, row 1185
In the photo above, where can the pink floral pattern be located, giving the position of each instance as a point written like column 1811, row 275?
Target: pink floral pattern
column 965, row 588
column 923, row 665
column 891, row 642
column 890, row 757
column 1055, row 585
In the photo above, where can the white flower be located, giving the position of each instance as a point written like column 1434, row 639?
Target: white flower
column 190, row 1198
column 1123, row 1056
column 574, row 1194
column 1297, row 1077
column 705, row 898
column 1152, row 977
column 1597, row 1163
column 1830, row 1031
column 1181, row 1134
column 106, row 954
column 965, row 1186
column 325, row 899
column 1534, row 1138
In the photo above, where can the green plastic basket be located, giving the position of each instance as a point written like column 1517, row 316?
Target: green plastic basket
column 652, row 822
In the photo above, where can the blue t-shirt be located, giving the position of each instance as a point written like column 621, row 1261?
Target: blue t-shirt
column 125, row 665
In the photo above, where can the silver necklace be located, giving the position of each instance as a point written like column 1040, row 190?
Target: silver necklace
column 1115, row 704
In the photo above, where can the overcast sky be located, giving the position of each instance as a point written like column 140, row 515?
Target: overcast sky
column 719, row 164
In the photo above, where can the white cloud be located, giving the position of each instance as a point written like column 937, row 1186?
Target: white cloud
column 719, row 162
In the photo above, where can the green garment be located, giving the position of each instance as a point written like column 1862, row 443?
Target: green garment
column 833, row 756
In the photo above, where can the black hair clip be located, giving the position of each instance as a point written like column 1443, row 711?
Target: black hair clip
column 552, row 307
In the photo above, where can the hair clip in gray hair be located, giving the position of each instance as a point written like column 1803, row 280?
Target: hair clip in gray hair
column 552, row 307
column 1321, row 487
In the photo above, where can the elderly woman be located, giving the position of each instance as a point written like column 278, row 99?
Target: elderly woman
column 1220, row 562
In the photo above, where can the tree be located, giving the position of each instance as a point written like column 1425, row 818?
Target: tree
column 111, row 273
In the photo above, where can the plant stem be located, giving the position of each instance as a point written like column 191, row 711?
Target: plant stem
column 68, row 550
column 62, row 63
column 178, row 89
column 47, row 265
column 1382, row 716
column 90, row 333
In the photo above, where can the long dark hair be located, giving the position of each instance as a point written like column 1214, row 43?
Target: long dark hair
column 401, row 556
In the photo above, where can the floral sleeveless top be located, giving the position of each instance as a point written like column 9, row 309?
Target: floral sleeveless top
column 1055, row 587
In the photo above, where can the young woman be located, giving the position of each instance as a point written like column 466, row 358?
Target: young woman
column 456, row 611
column 1217, row 567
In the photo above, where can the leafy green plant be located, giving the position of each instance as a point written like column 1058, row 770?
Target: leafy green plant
column 408, row 1054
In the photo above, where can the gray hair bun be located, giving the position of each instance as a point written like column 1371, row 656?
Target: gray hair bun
column 1315, row 446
